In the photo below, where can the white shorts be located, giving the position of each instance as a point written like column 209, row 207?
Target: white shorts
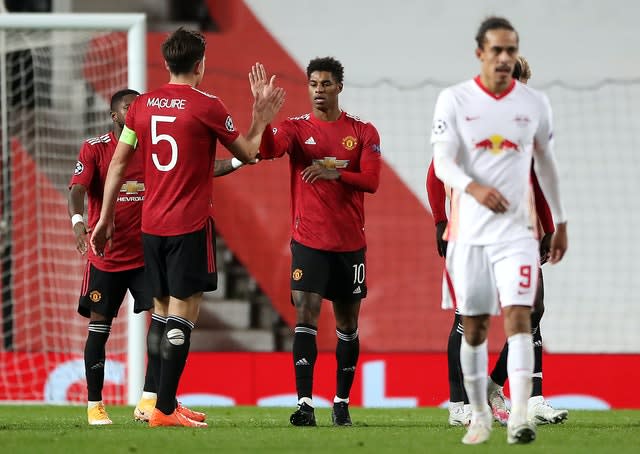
column 483, row 278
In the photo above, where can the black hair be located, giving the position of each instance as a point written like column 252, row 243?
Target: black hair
column 118, row 95
column 493, row 23
column 182, row 49
column 328, row 64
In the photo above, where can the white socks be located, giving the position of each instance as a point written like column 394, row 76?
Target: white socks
column 520, row 368
column 475, row 362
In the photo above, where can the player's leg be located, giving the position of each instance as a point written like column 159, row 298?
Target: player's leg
column 459, row 408
column 309, row 277
column 515, row 269
column 496, row 382
column 102, row 295
column 472, row 278
column 347, row 353
column 305, row 353
column 539, row 410
column 184, row 268
column 144, row 302
column 346, row 289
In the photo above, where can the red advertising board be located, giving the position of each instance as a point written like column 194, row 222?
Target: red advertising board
column 383, row 380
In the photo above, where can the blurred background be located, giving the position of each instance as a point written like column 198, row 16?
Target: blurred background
column 397, row 57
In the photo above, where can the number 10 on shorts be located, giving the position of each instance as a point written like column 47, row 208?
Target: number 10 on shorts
column 358, row 273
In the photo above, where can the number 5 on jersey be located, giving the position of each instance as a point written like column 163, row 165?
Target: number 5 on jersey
column 157, row 138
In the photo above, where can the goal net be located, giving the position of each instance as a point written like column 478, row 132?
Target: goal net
column 56, row 85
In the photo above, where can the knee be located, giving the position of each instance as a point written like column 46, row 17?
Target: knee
column 307, row 307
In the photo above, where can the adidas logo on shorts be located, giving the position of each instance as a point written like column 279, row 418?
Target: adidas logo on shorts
column 357, row 291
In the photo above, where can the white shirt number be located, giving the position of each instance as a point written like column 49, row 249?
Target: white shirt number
column 157, row 138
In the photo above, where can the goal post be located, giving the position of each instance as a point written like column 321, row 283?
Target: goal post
column 54, row 33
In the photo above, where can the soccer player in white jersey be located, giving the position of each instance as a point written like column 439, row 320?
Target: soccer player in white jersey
column 483, row 138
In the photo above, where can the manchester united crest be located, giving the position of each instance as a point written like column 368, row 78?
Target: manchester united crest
column 349, row 142
column 95, row 296
column 297, row 274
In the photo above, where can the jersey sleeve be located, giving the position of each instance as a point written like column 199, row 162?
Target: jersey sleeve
column 545, row 164
column 444, row 125
column 542, row 208
column 368, row 179
column 219, row 120
column 85, row 167
column 277, row 141
column 544, row 134
column 437, row 196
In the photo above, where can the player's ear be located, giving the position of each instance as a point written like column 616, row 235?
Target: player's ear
column 478, row 53
column 198, row 67
column 166, row 65
column 114, row 116
column 340, row 85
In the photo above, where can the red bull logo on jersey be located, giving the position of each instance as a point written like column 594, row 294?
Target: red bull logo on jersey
column 330, row 162
column 496, row 144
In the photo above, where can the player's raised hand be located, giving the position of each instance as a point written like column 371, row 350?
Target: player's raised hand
column 260, row 86
column 265, row 109
column 80, row 231
column 101, row 236
column 488, row 196
column 559, row 243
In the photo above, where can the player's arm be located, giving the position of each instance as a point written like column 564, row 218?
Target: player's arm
column 546, row 170
column 368, row 178
column 448, row 170
column 544, row 215
column 75, row 206
column 81, row 179
column 103, row 230
column 437, row 200
column 222, row 167
column 275, row 142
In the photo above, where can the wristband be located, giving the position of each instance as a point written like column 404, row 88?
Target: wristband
column 236, row 163
column 75, row 219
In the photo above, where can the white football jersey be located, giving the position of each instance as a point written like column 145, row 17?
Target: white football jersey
column 494, row 136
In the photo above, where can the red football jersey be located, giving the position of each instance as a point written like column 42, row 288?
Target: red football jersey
column 91, row 171
column 177, row 127
column 328, row 214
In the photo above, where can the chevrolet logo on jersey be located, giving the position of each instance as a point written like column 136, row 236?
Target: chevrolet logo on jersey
column 330, row 162
column 132, row 187
column 496, row 144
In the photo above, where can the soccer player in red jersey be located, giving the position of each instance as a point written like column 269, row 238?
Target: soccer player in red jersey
column 107, row 279
column 334, row 159
column 176, row 128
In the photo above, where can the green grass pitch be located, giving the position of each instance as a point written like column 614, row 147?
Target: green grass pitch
column 63, row 429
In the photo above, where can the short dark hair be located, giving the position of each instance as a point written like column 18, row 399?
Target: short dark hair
column 118, row 95
column 182, row 49
column 328, row 64
column 493, row 23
